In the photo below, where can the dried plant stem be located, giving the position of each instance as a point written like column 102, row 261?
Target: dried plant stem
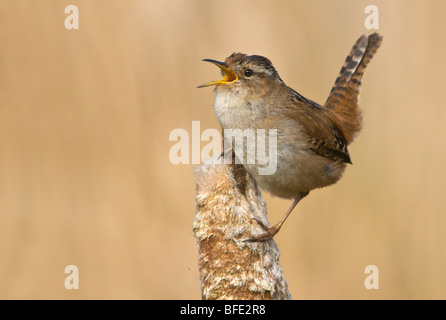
column 230, row 268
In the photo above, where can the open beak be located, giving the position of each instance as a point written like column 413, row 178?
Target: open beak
column 229, row 77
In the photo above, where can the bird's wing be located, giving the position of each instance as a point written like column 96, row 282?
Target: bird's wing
column 324, row 136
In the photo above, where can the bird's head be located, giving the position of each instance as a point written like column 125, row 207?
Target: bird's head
column 245, row 73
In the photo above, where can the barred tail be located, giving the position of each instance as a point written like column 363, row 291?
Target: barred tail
column 343, row 98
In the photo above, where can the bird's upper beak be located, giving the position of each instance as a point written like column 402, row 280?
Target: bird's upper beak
column 229, row 77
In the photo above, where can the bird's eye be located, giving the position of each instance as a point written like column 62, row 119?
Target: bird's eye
column 248, row 72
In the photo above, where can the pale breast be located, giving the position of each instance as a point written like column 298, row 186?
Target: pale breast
column 297, row 168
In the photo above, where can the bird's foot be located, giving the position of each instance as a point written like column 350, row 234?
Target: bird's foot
column 269, row 233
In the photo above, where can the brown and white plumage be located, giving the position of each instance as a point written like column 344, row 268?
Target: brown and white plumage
column 312, row 139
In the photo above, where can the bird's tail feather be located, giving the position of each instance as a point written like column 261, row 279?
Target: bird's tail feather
column 343, row 98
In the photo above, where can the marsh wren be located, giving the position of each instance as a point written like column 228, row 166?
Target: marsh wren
column 312, row 139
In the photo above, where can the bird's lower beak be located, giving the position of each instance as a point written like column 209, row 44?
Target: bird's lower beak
column 229, row 77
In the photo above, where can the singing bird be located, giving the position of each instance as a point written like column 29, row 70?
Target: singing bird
column 312, row 139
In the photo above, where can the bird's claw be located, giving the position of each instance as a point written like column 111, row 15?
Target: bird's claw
column 269, row 233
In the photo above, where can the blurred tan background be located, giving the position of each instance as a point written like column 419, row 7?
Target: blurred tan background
column 85, row 117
